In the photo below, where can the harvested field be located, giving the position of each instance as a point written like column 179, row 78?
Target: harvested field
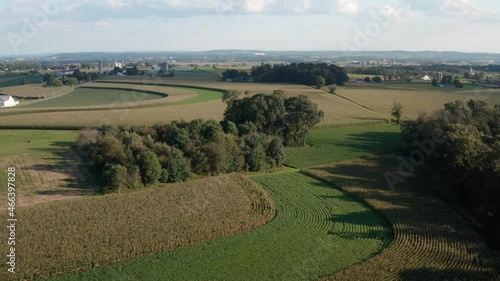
column 414, row 100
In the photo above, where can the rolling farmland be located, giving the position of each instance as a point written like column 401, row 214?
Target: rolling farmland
column 338, row 111
column 294, row 226
column 317, row 230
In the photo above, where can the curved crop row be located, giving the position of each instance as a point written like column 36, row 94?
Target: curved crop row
column 81, row 234
column 317, row 230
column 200, row 104
column 173, row 95
column 431, row 241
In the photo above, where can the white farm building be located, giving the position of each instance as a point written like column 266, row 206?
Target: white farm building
column 7, row 101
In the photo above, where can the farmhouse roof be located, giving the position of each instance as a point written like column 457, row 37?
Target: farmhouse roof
column 4, row 97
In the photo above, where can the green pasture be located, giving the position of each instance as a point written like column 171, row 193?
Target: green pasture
column 15, row 142
column 326, row 146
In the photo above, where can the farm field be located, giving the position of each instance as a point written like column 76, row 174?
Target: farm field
column 132, row 98
column 15, row 80
column 96, row 231
column 431, row 241
column 414, row 100
column 337, row 110
column 96, row 118
column 89, row 96
column 337, row 144
column 206, row 105
column 35, row 91
column 182, row 103
column 317, row 230
column 47, row 168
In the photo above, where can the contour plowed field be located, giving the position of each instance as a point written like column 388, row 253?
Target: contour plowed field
column 431, row 241
column 317, row 230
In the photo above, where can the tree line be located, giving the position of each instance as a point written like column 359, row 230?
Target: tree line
column 131, row 157
column 70, row 80
column 235, row 75
column 463, row 141
column 300, row 73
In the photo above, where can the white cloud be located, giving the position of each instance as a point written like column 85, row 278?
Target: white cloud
column 304, row 7
column 177, row 3
column 390, row 12
column 349, row 7
column 468, row 9
column 257, row 6
column 117, row 4
column 456, row 5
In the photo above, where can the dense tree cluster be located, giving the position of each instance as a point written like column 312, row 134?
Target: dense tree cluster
column 289, row 118
column 464, row 141
column 132, row 157
column 70, row 80
column 301, row 73
column 235, row 75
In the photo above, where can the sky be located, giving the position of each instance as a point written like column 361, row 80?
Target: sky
column 54, row 26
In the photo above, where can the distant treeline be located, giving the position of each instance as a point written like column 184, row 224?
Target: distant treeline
column 250, row 138
column 70, row 79
column 463, row 141
column 301, row 73
column 297, row 73
column 235, row 75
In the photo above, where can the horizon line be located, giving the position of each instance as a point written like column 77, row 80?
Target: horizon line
column 247, row 50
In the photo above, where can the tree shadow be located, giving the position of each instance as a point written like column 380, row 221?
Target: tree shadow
column 70, row 172
column 457, row 274
column 438, row 233
column 371, row 118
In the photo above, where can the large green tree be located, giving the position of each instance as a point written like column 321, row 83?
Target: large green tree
column 289, row 118
column 319, row 81
column 301, row 115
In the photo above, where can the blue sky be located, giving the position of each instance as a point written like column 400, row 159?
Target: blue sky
column 51, row 26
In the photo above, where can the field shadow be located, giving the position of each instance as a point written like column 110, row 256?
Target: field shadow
column 66, row 171
column 440, row 235
column 370, row 118
column 430, row 274
column 372, row 142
